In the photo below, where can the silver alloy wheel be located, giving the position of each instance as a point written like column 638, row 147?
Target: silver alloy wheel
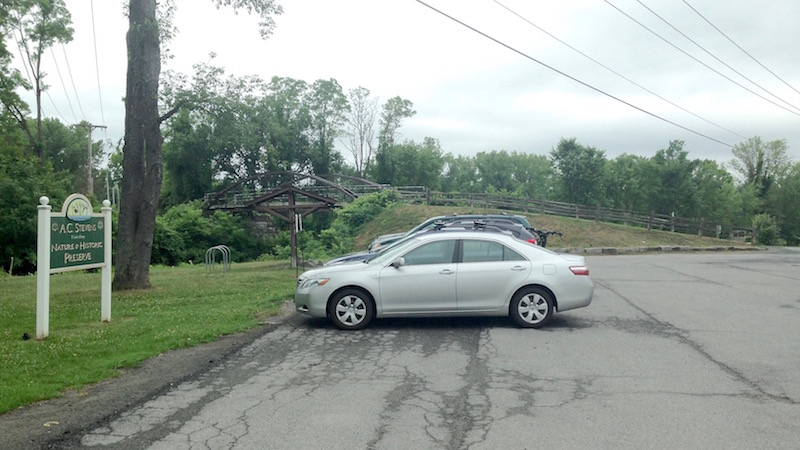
column 350, row 310
column 533, row 308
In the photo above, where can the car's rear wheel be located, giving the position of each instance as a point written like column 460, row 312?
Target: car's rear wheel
column 350, row 309
column 531, row 307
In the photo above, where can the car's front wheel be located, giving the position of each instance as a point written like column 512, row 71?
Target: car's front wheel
column 531, row 307
column 351, row 309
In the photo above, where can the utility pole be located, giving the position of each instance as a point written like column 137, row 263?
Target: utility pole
column 89, row 179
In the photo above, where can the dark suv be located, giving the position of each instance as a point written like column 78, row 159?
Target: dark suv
column 428, row 224
column 502, row 225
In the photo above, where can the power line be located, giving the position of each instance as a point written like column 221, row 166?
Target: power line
column 697, row 60
column 617, row 73
column 22, row 57
column 72, row 79
column 571, row 77
column 47, row 93
column 63, row 86
column 739, row 47
column 713, row 55
column 97, row 65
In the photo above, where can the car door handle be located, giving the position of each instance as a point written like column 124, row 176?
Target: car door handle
column 517, row 268
column 446, row 272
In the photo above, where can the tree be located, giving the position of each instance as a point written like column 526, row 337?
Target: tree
column 360, row 132
column 23, row 179
column 37, row 25
column 459, row 174
column 760, row 163
column 673, row 188
column 581, row 171
column 142, row 158
column 288, row 122
column 327, row 106
column 626, row 183
column 412, row 164
column 394, row 111
column 783, row 203
column 188, row 174
column 716, row 195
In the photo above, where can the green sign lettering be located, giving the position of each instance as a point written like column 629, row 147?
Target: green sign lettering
column 74, row 244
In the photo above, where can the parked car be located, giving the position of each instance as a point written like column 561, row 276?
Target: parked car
column 429, row 223
column 503, row 225
column 459, row 273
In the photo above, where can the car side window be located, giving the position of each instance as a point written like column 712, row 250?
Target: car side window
column 440, row 252
column 486, row 251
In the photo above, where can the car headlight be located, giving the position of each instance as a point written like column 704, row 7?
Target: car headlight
column 311, row 282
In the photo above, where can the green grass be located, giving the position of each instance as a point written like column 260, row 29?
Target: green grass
column 577, row 232
column 185, row 307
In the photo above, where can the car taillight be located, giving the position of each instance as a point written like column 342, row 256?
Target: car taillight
column 580, row 270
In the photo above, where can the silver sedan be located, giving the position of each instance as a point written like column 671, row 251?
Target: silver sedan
column 449, row 274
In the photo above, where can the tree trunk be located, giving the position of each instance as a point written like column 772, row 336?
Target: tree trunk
column 141, row 161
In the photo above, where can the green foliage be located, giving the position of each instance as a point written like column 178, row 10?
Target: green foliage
column 187, row 163
column 767, row 227
column 627, row 187
column 410, row 164
column 784, row 202
column 760, row 163
column 23, row 179
column 581, row 172
column 514, row 174
column 183, row 235
column 338, row 239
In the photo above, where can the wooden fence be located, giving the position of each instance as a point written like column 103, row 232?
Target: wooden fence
column 652, row 221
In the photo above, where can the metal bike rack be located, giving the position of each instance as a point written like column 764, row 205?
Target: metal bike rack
column 225, row 258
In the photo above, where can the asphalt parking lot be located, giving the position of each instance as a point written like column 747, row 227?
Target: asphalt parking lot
column 684, row 350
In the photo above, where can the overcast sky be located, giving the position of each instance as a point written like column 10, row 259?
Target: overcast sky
column 475, row 94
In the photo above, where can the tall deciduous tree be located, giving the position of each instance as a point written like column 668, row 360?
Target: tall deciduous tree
column 327, row 105
column 673, row 187
column 360, row 132
column 36, row 25
column 581, row 170
column 626, row 185
column 142, row 158
column 760, row 163
column 394, row 111
column 412, row 164
column 784, row 203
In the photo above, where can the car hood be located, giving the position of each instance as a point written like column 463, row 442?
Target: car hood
column 326, row 271
column 350, row 257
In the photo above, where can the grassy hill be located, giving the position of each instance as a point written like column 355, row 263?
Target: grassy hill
column 577, row 232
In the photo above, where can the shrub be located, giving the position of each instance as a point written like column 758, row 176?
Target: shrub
column 767, row 227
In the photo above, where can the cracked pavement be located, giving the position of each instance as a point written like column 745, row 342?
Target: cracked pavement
column 676, row 351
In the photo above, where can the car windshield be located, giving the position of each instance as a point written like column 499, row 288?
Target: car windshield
column 392, row 251
column 391, row 245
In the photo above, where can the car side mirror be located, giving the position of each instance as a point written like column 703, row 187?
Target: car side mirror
column 398, row 262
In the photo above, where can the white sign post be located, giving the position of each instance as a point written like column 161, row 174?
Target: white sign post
column 74, row 239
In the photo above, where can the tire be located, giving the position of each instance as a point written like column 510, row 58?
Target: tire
column 531, row 307
column 351, row 309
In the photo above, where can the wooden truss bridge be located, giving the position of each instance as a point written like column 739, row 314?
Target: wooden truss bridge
column 289, row 196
